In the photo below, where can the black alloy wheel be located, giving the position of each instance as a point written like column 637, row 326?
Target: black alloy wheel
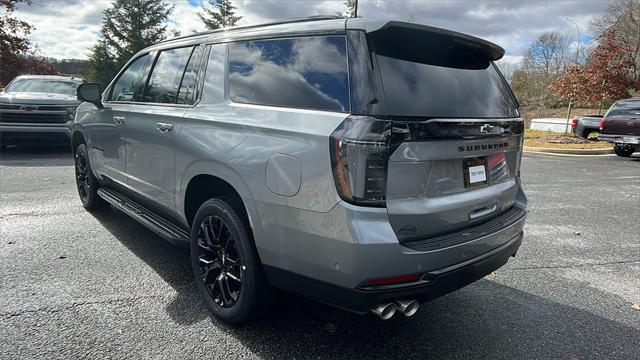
column 226, row 266
column 86, row 183
column 82, row 176
column 219, row 262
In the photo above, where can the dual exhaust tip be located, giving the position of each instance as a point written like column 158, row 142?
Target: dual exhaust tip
column 406, row 307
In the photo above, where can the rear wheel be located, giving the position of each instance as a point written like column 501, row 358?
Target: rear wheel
column 623, row 150
column 86, row 183
column 225, row 262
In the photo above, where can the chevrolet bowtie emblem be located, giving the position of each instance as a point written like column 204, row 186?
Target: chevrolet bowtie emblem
column 486, row 129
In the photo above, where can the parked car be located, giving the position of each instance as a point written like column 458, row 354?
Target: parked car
column 373, row 184
column 621, row 126
column 36, row 109
column 586, row 126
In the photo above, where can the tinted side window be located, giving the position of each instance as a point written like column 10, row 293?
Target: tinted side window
column 166, row 75
column 188, row 85
column 306, row 72
column 130, row 81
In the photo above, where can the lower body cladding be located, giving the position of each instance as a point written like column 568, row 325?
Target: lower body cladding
column 35, row 134
column 350, row 257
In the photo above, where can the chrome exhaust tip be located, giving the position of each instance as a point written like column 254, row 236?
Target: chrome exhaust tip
column 385, row 311
column 407, row 307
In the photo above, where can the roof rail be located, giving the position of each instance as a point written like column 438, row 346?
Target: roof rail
column 289, row 21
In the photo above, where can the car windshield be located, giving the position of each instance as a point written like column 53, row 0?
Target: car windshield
column 626, row 108
column 55, row 86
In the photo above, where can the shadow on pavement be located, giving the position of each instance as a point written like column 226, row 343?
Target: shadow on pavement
column 37, row 155
column 169, row 261
column 483, row 320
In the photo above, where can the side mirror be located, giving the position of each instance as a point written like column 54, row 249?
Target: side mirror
column 91, row 93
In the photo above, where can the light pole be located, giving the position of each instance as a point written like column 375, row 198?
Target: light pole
column 578, row 42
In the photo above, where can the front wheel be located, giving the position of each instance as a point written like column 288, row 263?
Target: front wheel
column 86, row 183
column 623, row 150
column 225, row 262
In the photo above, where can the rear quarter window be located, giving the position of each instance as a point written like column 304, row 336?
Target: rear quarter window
column 305, row 72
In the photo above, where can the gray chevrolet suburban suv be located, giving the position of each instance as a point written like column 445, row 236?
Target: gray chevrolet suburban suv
column 371, row 165
column 38, row 108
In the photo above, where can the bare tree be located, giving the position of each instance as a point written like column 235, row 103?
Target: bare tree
column 548, row 54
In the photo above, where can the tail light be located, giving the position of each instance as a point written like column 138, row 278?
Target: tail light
column 574, row 123
column 601, row 124
column 359, row 156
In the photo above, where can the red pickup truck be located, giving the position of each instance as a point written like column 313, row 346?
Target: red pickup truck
column 621, row 126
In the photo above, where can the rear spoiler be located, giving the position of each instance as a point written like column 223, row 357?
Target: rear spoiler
column 414, row 40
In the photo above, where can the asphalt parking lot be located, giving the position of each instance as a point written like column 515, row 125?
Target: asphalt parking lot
column 76, row 284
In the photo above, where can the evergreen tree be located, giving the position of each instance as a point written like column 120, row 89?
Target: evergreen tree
column 101, row 66
column 220, row 14
column 128, row 27
column 352, row 9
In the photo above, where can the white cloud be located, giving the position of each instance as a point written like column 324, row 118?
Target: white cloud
column 68, row 28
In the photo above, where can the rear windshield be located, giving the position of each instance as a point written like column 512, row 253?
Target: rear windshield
column 626, row 108
column 429, row 87
column 54, row 86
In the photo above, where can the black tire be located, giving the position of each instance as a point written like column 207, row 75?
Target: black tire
column 623, row 150
column 226, row 265
column 86, row 183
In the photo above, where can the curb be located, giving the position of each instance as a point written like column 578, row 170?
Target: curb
column 533, row 149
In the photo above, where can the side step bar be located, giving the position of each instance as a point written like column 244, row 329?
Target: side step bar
column 153, row 222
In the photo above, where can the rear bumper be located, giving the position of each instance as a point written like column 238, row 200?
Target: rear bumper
column 330, row 256
column 433, row 284
column 619, row 139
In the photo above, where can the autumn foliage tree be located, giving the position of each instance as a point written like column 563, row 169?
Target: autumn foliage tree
column 605, row 76
column 16, row 53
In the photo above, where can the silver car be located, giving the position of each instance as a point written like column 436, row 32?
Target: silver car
column 36, row 109
column 371, row 165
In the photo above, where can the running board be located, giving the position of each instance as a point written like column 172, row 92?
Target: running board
column 153, row 222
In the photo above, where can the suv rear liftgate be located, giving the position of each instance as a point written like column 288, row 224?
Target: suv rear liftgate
column 441, row 148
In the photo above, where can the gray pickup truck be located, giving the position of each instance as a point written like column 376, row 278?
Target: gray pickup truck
column 586, row 126
column 38, row 108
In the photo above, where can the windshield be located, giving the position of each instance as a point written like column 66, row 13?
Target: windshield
column 55, row 86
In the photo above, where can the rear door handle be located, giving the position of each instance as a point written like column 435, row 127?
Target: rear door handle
column 164, row 127
column 119, row 120
column 475, row 214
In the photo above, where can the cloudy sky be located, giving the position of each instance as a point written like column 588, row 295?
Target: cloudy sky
column 68, row 28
